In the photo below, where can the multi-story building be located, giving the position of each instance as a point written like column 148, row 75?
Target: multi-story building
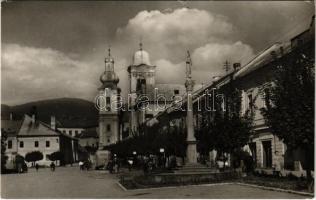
column 89, row 137
column 30, row 134
column 71, row 131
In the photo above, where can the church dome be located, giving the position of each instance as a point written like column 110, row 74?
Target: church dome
column 109, row 77
column 141, row 57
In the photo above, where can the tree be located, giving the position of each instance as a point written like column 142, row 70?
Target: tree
column 229, row 130
column 56, row 156
column 290, row 103
column 33, row 156
column 3, row 149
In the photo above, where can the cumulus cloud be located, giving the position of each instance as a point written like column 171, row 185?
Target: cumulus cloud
column 212, row 55
column 167, row 35
column 30, row 74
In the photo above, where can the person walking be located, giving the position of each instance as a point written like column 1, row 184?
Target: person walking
column 130, row 164
column 81, row 165
column 110, row 166
column 52, row 166
column 36, row 167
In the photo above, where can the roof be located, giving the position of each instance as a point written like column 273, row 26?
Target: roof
column 141, row 57
column 11, row 127
column 263, row 58
column 29, row 128
column 89, row 133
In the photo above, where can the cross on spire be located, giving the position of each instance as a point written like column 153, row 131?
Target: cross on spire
column 109, row 51
column 140, row 44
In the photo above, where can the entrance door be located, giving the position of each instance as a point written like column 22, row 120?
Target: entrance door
column 267, row 154
column 253, row 150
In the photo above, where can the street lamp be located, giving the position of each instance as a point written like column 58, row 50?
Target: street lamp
column 162, row 150
column 134, row 153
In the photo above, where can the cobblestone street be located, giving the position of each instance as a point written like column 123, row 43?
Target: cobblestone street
column 69, row 182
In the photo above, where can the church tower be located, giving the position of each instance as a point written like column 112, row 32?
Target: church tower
column 142, row 82
column 108, row 112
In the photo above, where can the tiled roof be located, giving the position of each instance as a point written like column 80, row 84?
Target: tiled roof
column 29, row 128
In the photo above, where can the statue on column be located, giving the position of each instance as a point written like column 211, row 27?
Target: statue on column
column 191, row 153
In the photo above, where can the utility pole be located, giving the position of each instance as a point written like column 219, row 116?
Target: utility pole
column 226, row 66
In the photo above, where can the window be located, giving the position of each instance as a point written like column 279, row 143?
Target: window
column 266, row 97
column 108, row 103
column 250, row 102
column 70, row 132
column 47, row 143
column 76, row 133
column 47, row 156
column 108, row 127
column 57, row 140
column 10, row 144
column 176, row 92
column 36, row 144
column 21, row 144
column 64, row 131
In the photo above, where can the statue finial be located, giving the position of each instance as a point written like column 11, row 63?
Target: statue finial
column 188, row 65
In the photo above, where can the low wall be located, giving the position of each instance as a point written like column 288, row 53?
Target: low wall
column 184, row 179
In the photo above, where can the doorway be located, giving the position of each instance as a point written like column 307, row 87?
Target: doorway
column 267, row 154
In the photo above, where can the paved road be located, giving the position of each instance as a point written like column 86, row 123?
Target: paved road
column 69, row 182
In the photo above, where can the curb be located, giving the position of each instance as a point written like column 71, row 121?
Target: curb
column 170, row 187
column 276, row 189
column 121, row 186
column 227, row 183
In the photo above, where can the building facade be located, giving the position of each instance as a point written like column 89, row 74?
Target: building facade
column 268, row 151
column 33, row 135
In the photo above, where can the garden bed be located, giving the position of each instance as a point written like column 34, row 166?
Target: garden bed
column 296, row 184
column 163, row 180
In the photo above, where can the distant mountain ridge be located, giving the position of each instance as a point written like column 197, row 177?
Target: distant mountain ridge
column 69, row 112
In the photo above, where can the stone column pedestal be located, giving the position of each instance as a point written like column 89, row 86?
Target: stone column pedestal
column 191, row 153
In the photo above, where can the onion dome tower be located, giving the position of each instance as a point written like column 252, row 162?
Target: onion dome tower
column 109, row 79
column 108, row 105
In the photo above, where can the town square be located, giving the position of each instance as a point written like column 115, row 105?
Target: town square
column 157, row 99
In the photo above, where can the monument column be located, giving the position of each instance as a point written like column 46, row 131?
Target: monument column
column 191, row 153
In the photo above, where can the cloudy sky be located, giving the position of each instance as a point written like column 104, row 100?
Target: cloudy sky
column 57, row 49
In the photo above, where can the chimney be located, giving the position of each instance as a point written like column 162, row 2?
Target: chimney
column 274, row 55
column 52, row 122
column 236, row 66
column 11, row 116
column 281, row 51
column 33, row 113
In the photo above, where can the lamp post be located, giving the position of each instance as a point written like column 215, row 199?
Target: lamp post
column 162, row 150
